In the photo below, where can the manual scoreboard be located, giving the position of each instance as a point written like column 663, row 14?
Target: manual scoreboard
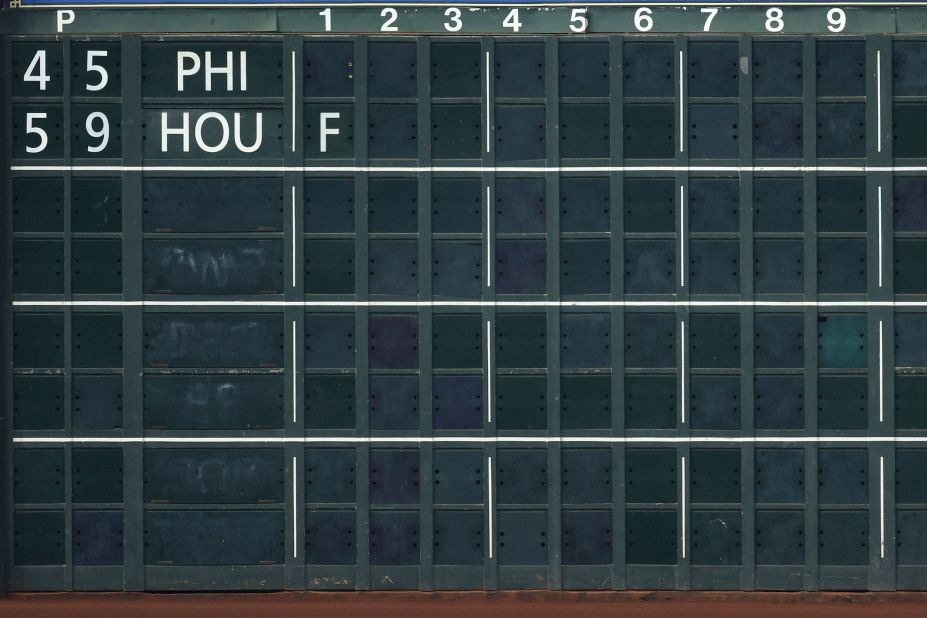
column 434, row 296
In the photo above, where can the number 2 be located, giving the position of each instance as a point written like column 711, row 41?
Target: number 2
column 391, row 16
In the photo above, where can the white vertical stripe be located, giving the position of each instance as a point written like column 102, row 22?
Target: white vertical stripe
column 293, row 102
column 682, row 140
column 880, row 235
column 294, row 371
column 882, row 507
column 881, row 376
column 682, row 236
column 293, row 226
column 879, row 100
column 682, row 371
column 682, row 503
column 294, row 507
column 492, row 540
column 488, row 104
column 489, row 371
column 488, row 237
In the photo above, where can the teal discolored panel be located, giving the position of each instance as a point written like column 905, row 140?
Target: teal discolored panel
column 842, row 341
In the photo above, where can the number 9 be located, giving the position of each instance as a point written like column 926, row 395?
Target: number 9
column 102, row 134
column 837, row 20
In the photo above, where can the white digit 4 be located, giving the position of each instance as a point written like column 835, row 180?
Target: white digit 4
column 391, row 16
column 578, row 21
column 92, row 66
column 837, row 20
column 511, row 21
column 453, row 24
column 712, row 13
column 642, row 19
column 31, row 129
column 102, row 134
column 774, row 21
column 38, row 63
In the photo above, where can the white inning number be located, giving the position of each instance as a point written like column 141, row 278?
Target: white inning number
column 102, row 133
column 31, row 129
column 511, row 21
column 391, row 16
column 38, row 64
column 327, row 16
column 837, row 20
column 453, row 23
column 643, row 20
column 578, row 20
column 93, row 66
column 774, row 21
column 712, row 13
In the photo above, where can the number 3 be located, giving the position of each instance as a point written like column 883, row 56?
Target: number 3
column 453, row 24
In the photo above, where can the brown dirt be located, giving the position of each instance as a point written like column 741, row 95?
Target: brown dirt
column 468, row 605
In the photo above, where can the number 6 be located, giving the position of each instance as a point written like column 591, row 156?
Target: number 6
column 642, row 19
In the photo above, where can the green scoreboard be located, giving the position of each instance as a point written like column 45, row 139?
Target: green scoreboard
column 359, row 296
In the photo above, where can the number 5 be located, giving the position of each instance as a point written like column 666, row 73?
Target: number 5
column 712, row 12
column 92, row 66
column 32, row 129
column 578, row 20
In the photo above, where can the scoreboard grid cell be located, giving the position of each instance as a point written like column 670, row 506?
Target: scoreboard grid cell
column 499, row 447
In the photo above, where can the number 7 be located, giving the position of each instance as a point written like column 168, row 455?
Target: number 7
column 712, row 12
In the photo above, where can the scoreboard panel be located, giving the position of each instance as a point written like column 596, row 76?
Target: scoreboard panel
column 297, row 302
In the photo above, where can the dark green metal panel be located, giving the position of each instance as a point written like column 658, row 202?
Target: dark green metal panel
column 564, row 312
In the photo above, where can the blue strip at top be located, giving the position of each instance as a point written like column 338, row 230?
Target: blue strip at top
column 466, row 3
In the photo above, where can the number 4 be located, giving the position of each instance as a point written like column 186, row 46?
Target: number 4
column 38, row 62
column 511, row 21
column 711, row 12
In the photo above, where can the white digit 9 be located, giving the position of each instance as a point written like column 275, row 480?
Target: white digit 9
column 102, row 133
column 837, row 20
column 774, row 21
column 31, row 129
column 93, row 66
column 642, row 19
column 453, row 24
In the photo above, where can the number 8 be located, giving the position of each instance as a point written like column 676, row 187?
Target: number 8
column 774, row 21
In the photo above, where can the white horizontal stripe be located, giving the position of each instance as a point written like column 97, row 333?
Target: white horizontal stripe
column 473, row 169
column 484, row 440
column 471, row 303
